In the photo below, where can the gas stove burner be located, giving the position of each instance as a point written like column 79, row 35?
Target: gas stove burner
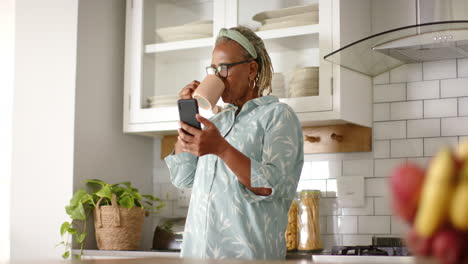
column 358, row 251
column 370, row 251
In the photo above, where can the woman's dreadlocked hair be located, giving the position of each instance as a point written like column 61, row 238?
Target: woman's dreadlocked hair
column 265, row 68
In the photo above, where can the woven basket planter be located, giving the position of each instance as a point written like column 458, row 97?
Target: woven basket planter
column 118, row 228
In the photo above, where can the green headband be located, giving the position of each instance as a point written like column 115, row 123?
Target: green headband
column 239, row 38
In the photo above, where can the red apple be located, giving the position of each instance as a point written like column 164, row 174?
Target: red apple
column 449, row 245
column 406, row 183
column 419, row 245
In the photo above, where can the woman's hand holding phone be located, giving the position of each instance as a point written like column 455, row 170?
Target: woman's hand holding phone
column 201, row 142
column 186, row 93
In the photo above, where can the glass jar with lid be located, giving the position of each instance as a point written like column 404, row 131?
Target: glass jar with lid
column 308, row 223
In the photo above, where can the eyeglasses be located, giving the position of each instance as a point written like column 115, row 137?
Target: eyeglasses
column 222, row 69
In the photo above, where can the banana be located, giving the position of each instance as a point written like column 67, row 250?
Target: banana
column 462, row 151
column 459, row 206
column 436, row 194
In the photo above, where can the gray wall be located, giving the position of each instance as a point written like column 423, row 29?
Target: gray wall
column 101, row 149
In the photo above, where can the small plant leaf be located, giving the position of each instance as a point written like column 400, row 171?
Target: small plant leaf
column 127, row 202
column 77, row 196
column 96, row 181
column 79, row 213
column 69, row 209
column 66, row 254
column 80, row 237
column 105, row 192
column 72, row 230
column 127, row 183
column 64, row 228
column 61, row 243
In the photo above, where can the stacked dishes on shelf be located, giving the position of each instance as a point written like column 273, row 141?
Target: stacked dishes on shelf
column 277, row 85
column 162, row 101
column 304, row 82
column 288, row 17
column 193, row 30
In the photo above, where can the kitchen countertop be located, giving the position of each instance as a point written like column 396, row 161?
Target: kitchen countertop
column 316, row 259
column 95, row 253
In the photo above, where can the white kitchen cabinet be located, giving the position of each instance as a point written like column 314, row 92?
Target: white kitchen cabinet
column 163, row 68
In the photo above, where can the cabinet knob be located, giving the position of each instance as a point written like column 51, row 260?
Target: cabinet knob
column 312, row 139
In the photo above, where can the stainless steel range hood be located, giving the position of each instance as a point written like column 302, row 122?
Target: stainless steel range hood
column 439, row 38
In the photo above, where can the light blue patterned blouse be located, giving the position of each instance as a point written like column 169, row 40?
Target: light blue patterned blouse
column 225, row 219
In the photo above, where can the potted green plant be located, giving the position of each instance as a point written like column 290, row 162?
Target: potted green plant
column 119, row 211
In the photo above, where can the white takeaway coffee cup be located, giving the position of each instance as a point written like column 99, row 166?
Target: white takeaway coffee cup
column 209, row 91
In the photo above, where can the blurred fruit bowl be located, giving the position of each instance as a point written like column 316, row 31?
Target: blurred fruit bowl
column 434, row 202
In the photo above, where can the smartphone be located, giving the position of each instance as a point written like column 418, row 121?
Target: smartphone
column 188, row 108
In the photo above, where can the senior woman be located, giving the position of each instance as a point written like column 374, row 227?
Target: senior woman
column 244, row 166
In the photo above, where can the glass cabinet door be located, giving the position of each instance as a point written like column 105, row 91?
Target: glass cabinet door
column 171, row 44
column 292, row 32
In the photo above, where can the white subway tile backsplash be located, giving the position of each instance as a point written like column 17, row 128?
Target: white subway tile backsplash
column 157, row 190
column 406, row 73
column 389, row 130
column 462, row 68
column 382, row 112
column 440, row 108
column 435, row 70
column 463, row 106
column 328, row 241
column 377, row 187
column 433, row 145
column 374, row 224
column 320, row 169
column 455, row 126
column 331, row 188
column 161, row 175
column 168, row 191
column 167, row 210
column 384, row 167
column 406, row 148
column 389, row 92
column 462, row 139
column 383, row 78
column 422, row 90
column 367, row 209
column 313, row 185
column 357, row 240
column 358, row 168
column 454, row 87
column 398, row 226
column 157, row 161
column 335, row 167
column 421, row 162
column 382, row 205
column 323, row 225
column 406, row 110
column 342, row 224
column 423, row 128
column 381, row 149
column 329, row 206
column 179, row 211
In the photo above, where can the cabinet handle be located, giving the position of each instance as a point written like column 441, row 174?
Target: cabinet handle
column 337, row 137
column 312, row 139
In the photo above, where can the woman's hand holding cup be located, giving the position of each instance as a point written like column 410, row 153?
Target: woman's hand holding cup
column 187, row 91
